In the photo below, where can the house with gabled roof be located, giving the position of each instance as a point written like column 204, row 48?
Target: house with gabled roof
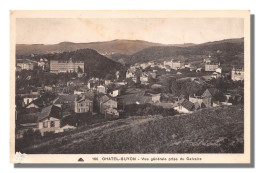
column 83, row 104
column 37, row 104
column 47, row 120
column 184, row 106
column 106, row 102
column 206, row 99
column 65, row 101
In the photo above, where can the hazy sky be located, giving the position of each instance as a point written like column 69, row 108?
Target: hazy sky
column 167, row 31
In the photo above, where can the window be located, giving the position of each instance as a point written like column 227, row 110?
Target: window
column 52, row 124
column 45, row 124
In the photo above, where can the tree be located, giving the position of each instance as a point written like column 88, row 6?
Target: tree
column 174, row 87
column 80, row 70
column 109, row 77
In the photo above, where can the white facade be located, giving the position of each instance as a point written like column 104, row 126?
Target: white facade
column 219, row 70
column 26, row 66
column 107, row 82
column 114, row 93
column 65, row 66
column 182, row 109
column 144, row 65
column 174, row 65
column 28, row 100
column 101, row 89
column 49, row 125
column 237, row 74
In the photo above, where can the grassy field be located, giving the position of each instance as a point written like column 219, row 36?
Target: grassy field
column 216, row 130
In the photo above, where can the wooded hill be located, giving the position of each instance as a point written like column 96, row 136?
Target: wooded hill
column 96, row 65
column 229, row 52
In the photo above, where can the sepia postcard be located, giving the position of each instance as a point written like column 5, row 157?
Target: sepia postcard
column 130, row 87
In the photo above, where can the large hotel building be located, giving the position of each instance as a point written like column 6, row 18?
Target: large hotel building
column 61, row 66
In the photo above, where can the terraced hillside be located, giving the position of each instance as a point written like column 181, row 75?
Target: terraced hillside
column 216, row 130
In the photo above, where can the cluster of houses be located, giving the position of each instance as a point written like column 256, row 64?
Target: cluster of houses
column 45, row 112
column 205, row 100
column 27, row 64
column 213, row 69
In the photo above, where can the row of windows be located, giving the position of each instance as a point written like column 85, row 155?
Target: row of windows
column 211, row 66
column 65, row 65
column 83, row 104
column 82, row 110
column 76, row 68
column 45, row 124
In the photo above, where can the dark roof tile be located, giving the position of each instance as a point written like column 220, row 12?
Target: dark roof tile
column 187, row 104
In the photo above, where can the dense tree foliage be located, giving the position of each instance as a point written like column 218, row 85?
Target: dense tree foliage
column 147, row 109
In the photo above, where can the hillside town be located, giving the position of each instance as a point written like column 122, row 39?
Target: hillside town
column 76, row 99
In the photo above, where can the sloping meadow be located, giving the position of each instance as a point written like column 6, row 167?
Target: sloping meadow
column 215, row 130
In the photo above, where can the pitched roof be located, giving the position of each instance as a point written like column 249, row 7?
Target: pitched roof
column 214, row 91
column 206, row 93
column 104, row 98
column 49, row 111
column 109, row 101
column 43, row 100
column 134, row 96
column 38, row 102
column 66, row 98
column 89, row 95
column 187, row 104
column 81, row 99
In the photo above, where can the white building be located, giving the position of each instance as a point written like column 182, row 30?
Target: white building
column 101, row 89
column 70, row 66
column 114, row 93
column 237, row 74
column 219, row 70
column 174, row 64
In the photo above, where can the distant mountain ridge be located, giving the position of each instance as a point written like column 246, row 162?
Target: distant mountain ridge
column 229, row 51
column 106, row 48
